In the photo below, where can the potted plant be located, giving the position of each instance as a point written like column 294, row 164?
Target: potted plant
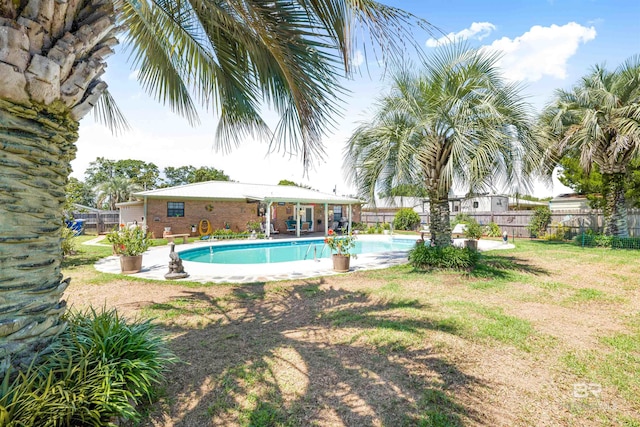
column 340, row 247
column 129, row 243
column 473, row 233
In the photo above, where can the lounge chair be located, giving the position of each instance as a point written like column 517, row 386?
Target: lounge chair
column 273, row 230
column 291, row 226
column 304, row 228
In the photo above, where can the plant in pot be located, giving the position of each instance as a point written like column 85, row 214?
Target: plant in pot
column 129, row 243
column 340, row 247
column 473, row 233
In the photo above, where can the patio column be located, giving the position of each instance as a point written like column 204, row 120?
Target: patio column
column 350, row 217
column 326, row 219
column 298, row 219
column 267, row 231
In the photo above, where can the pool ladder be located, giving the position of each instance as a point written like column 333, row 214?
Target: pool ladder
column 315, row 249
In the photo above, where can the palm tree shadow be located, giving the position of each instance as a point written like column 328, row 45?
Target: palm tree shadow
column 309, row 355
column 493, row 266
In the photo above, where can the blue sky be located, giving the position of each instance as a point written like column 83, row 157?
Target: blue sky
column 547, row 44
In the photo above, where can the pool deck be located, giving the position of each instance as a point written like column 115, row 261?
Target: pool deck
column 155, row 264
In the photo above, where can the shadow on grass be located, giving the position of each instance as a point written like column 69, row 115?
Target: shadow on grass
column 503, row 267
column 85, row 255
column 294, row 357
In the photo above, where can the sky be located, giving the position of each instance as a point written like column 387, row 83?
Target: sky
column 546, row 45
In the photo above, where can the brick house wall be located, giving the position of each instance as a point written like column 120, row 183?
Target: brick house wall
column 236, row 213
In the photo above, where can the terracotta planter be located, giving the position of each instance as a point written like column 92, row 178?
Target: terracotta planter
column 130, row 264
column 341, row 263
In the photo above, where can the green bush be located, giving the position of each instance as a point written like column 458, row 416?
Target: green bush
column 473, row 230
column 559, row 233
column 425, row 257
column 591, row 239
column 68, row 241
column 100, row 369
column 360, row 226
column 539, row 221
column 462, row 218
column 406, row 219
column 492, row 230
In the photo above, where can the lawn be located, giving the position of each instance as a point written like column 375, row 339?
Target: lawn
column 547, row 334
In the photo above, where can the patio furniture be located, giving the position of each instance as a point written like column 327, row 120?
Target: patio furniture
column 171, row 237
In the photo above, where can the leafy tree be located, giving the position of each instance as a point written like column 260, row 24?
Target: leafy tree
column 294, row 184
column 178, row 176
column 598, row 120
column 456, row 120
column 80, row 193
column 206, row 173
column 144, row 174
column 232, row 56
column 591, row 185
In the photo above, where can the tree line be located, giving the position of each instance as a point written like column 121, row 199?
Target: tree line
column 107, row 182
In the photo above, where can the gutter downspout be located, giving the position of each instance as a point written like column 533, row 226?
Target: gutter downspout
column 144, row 212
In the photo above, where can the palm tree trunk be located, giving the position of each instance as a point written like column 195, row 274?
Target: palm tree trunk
column 36, row 149
column 51, row 60
column 439, row 218
column 615, row 208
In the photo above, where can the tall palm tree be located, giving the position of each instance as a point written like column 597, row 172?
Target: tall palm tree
column 454, row 122
column 118, row 189
column 599, row 120
column 232, row 56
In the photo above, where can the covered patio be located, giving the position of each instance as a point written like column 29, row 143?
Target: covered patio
column 282, row 210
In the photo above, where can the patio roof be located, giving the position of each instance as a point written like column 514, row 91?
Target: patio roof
column 226, row 190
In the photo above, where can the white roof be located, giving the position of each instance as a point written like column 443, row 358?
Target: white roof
column 395, row 203
column 226, row 190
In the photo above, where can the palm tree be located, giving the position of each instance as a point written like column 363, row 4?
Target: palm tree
column 116, row 190
column 456, row 121
column 233, row 56
column 599, row 121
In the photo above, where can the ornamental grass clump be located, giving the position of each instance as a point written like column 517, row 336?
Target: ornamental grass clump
column 129, row 241
column 100, row 370
column 448, row 257
column 340, row 245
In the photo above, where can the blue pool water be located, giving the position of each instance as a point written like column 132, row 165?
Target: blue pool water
column 271, row 252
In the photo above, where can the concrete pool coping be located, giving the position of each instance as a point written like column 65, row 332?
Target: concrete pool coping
column 155, row 264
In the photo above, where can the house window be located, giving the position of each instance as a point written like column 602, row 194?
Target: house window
column 475, row 205
column 456, row 208
column 337, row 213
column 175, row 209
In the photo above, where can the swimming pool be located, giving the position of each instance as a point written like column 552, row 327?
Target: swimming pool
column 286, row 251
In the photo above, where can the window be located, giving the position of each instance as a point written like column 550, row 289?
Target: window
column 475, row 205
column 456, row 208
column 175, row 209
column 337, row 213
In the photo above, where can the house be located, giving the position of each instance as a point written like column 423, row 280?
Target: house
column 233, row 205
column 517, row 204
column 569, row 202
column 457, row 204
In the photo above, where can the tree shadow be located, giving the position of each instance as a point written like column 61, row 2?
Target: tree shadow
column 308, row 355
column 502, row 267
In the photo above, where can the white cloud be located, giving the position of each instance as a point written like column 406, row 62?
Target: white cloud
column 358, row 58
column 541, row 51
column 134, row 75
column 477, row 30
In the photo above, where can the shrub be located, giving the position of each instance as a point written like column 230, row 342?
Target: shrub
column 539, row 221
column 406, row 219
column 424, row 257
column 100, row 369
column 559, row 233
column 492, row 230
column 68, row 241
column 473, row 230
column 590, row 238
column 360, row 226
column 129, row 241
column 462, row 218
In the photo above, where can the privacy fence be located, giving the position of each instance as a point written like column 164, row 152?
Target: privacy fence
column 515, row 222
column 98, row 221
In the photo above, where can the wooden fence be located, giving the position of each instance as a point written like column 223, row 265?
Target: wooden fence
column 98, row 221
column 515, row 222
